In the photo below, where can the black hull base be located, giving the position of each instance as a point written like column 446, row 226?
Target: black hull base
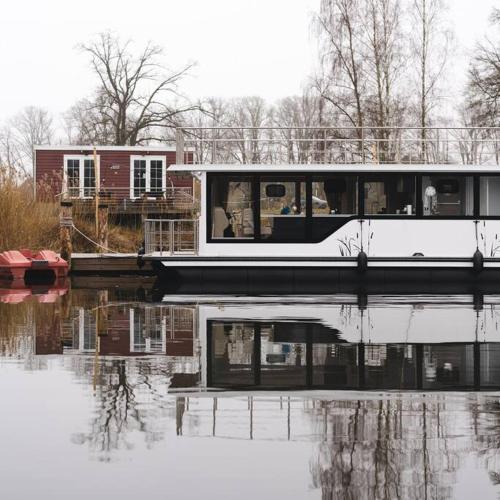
column 323, row 280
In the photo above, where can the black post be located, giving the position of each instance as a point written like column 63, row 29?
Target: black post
column 361, row 365
column 419, row 348
column 419, row 209
column 361, row 196
column 477, row 200
column 309, row 211
column 256, row 206
column 477, row 366
column 256, row 354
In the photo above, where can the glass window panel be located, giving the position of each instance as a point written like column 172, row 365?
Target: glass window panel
column 283, row 355
column 449, row 195
column 139, row 177
column 490, row 195
column 282, row 209
column 88, row 178
column 390, row 366
column 232, row 207
column 390, row 194
column 490, row 364
column 232, row 357
column 448, row 366
column 334, row 197
column 335, row 365
column 73, row 177
column 156, row 175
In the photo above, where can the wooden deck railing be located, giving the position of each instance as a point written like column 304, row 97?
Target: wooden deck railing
column 119, row 201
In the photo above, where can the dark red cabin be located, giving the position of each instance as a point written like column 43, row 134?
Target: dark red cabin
column 120, row 172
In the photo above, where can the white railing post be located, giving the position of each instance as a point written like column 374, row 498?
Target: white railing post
column 171, row 237
column 179, row 146
column 161, row 237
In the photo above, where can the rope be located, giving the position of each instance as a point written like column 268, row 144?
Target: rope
column 92, row 241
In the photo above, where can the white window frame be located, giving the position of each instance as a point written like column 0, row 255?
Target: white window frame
column 81, row 159
column 148, row 159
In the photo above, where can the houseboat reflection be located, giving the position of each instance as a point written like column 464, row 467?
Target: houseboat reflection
column 416, row 343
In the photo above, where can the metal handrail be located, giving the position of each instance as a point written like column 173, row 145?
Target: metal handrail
column 273, row 144
column 171, row 236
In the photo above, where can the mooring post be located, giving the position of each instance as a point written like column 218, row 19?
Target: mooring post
column 66, row 224
column 103, row 228
column 102, row 313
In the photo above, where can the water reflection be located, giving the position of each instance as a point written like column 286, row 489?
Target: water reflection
column 313, row 374
column 421, row 345
column 384, row 343
column 130, row 398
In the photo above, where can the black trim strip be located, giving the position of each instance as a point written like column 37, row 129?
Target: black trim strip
column 311, row 259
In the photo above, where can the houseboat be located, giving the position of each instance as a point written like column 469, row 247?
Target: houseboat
column 315, row 210
column 302, row 227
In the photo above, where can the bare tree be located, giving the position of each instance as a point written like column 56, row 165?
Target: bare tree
column 10, row 154
column 385, row 60
column 298, row 114
column 430, row 41
column 362, row 65
column 137, row 96
column 342, row 79
column 483, row 89
column 85, row 124
column 251, row 113
column 30, row 127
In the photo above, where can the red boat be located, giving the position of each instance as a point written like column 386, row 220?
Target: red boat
column 24, row 265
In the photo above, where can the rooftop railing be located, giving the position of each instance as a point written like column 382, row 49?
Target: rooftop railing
column 339, row 145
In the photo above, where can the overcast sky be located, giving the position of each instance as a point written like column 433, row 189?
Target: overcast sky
column 242, row 47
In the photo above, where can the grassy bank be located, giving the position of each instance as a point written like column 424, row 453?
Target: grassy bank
column 29, row 223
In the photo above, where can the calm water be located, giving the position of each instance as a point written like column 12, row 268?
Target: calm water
column 105, row 393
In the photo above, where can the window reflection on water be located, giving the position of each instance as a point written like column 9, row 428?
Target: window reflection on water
column 133, row 355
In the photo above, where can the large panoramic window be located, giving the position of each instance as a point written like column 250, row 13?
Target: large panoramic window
column 232, row 210
column 279, row 354
column 490, row 195
column 79, row 176
column 334, row 197
column 147, row 175
column 449, row 195
column 282, row 209
column 389, row 194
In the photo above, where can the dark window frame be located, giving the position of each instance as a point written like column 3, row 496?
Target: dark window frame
column 255, row 180
column 382, row 177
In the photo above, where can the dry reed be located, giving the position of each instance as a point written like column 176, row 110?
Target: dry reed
column 26, row 222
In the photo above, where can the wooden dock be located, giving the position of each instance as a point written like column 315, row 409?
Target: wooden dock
column 108, row 263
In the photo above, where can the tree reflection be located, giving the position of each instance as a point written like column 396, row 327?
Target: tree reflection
column 386, row 449
column 131, row 402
